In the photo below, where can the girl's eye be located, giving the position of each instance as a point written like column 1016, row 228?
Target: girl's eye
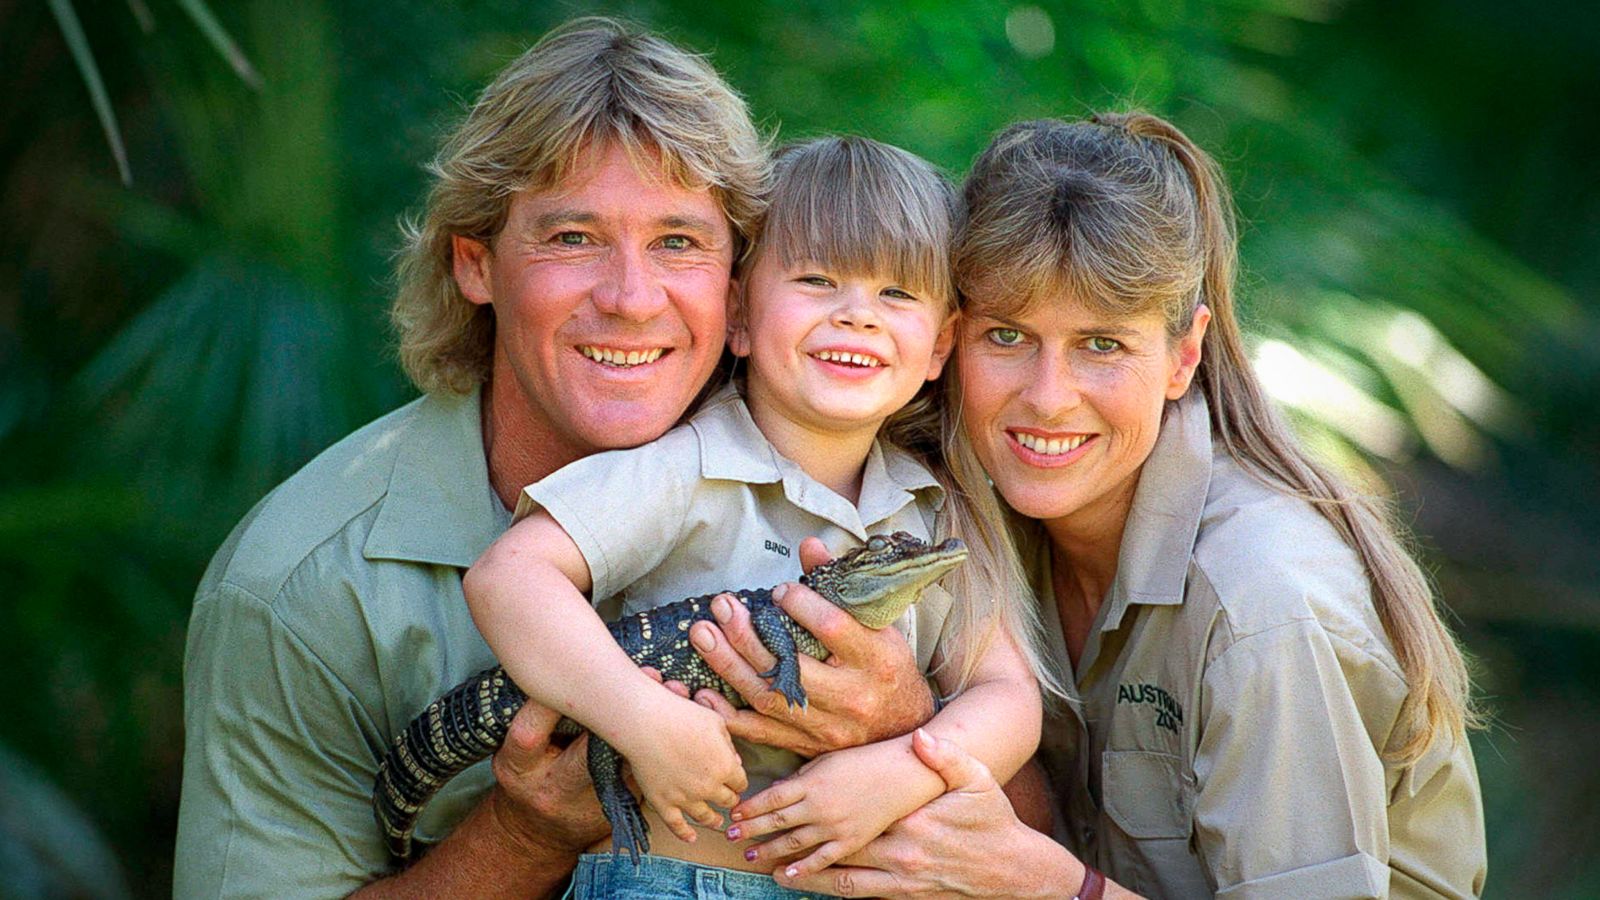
column 1104, row 345
column 675, row 242
column 1005, row 337
column 815, row 280
column 572, row 238
column 898, row 294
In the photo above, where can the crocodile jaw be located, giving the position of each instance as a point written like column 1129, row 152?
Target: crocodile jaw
column 878, row 595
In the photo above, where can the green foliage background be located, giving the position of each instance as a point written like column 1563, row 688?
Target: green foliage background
column 1421, row 221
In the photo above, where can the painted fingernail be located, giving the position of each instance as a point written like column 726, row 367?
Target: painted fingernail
column 792, row 872
column 750, row 856
column 733, row 833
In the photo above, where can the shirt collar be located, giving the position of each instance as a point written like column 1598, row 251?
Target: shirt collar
column 439, row 507
column 732, row 448
column 1158, row 540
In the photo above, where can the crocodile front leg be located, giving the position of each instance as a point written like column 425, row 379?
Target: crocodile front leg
column 629, row 831
column 769, row 625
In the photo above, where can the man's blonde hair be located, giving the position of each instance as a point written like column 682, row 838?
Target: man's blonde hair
column 584, row 85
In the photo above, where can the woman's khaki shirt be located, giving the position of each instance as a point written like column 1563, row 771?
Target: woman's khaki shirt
column 1233, row 700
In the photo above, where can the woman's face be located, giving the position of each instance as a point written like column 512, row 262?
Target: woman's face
column 1063, row 404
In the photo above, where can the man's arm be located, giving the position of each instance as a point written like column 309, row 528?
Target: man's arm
column 278, row 775
column 526, row 835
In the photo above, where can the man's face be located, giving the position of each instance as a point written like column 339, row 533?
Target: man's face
column 610, row 297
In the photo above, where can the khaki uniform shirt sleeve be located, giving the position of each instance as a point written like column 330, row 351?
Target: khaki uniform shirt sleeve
column 625, row 509
column 1291, row 798
column 277, row 797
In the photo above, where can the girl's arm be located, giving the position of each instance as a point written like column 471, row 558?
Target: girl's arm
column 842, row 800
column 966, row 843
column 526, row 595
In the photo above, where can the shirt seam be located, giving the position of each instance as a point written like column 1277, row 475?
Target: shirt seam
column 1235, row 639
column 231, row 580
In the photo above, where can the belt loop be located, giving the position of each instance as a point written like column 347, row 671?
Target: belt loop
column 710, row 884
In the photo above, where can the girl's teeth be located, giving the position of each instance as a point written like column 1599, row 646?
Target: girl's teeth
column 854, row 359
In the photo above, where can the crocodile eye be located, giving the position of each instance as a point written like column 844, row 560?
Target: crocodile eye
column 877, row 542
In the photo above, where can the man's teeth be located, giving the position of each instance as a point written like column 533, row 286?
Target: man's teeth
column 1051, row 447
column 854, row 359
column 621, row 357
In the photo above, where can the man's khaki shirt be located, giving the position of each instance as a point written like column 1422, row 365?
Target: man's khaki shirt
column 1233, row 701
column 329, row 619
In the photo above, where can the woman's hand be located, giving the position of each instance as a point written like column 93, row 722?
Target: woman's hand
column 966, row 843
column 869, row 689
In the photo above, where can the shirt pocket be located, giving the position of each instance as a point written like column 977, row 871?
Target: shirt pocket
column 1150, row 803
column 1144, row 794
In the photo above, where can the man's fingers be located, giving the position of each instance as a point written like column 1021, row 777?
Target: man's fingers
column 756, row 728
column 677, row 687
column 529, row 737
column 835, row 628
column 813, row 553
column 734, row 619
column 724, row 658
column 959, row 769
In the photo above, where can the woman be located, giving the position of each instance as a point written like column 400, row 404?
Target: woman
column 1263, row 700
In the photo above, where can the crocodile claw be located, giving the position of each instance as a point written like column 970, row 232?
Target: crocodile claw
column 629, row 831
column 628, row 828
column 786, row 681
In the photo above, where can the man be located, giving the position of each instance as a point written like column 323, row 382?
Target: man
column 565, row 293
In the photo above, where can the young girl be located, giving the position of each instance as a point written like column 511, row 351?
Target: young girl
column 845, row 312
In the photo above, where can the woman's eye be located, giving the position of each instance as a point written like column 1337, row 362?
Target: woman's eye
column 1005, row 337
column 1104, row 345
column 676, row 242
column 572, row 238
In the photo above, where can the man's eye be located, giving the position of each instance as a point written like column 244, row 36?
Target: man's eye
column 1005, row 337
column 572, row 238
column 1104, row 345
column 676, row 242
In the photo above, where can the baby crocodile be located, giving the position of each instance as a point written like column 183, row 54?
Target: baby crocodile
column 875, row 584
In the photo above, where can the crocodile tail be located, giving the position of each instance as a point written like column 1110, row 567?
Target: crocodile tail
column 465, row 725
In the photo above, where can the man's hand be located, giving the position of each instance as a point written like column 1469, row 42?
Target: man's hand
column 543, row 798
column 869, row 689
column 529, row 831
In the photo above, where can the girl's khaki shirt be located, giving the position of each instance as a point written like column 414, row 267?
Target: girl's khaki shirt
column 1233, row 702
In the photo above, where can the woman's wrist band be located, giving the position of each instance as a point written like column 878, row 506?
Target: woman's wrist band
column 1094, row 884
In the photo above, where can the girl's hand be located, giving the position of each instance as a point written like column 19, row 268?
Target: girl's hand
column 683, row 761
column 966, row 843
column 834, row 806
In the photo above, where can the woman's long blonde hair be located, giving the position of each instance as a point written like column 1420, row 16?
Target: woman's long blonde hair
column 1125, row 213
column 858, row 206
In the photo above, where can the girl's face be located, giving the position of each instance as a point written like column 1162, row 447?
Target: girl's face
column 1063, row 405
column 832, row 353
